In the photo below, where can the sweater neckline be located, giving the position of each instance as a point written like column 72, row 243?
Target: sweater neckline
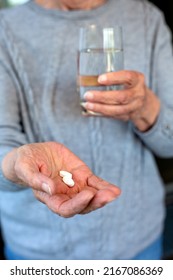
column 76, row 14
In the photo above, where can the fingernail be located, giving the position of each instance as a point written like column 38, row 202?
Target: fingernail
column 83, row 104
column 46, row 188
column 88, row 95
column 102, row 78
column 89, row 106
column 94, row 113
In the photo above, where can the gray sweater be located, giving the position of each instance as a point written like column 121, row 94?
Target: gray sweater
column 39, row 102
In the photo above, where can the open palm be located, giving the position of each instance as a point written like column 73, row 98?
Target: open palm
column 37, row 165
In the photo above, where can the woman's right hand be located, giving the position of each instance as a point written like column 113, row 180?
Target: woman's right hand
column 37, row 166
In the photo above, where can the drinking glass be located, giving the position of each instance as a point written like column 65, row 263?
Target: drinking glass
column 100, row 51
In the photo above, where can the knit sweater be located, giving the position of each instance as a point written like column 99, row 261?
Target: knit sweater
column 39, row 102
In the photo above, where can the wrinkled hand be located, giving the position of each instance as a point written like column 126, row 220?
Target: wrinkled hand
column 135, row 102
column 38, row 165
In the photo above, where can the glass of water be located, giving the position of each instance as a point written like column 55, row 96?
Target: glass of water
column 100, row 51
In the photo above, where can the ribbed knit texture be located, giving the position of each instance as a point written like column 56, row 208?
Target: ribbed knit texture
column 39, row 102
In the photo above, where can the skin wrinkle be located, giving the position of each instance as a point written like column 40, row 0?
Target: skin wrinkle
column 142, row 113
column 121, row 154
column 142, row 106
column 59, row 197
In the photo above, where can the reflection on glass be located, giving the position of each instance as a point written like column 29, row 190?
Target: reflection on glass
column 16, row 2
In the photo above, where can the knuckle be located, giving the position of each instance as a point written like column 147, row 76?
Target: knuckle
column 124, row 110
column 123, row 99
column 61, row 211
column 119, row 112
column 128, row 77
column 106, row 99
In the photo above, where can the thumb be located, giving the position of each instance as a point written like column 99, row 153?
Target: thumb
column 32, row 177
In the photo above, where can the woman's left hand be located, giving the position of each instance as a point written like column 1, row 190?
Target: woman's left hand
column 135, row 102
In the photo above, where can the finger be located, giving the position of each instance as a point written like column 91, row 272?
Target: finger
column 113, row 110
column 106, row 193
column 64, row 206
column 111, row 97
column 100, row 184
column 128, row 78
column 30, row 176
column 102, row 198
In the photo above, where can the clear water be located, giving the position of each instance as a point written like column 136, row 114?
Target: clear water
column 92, row 63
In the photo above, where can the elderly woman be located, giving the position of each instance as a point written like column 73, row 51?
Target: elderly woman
column 42, row 132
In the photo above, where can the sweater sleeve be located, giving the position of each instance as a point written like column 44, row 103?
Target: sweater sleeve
column 160, row 137
column 11, row 131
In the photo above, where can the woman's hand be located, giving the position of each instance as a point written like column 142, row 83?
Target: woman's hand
column 38, row 165
column 135, row 102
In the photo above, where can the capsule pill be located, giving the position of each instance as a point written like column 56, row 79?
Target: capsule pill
column 63, row 173
column 68, row 181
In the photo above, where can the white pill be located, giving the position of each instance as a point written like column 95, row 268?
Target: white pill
column 63, row 173
column 68, row 181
